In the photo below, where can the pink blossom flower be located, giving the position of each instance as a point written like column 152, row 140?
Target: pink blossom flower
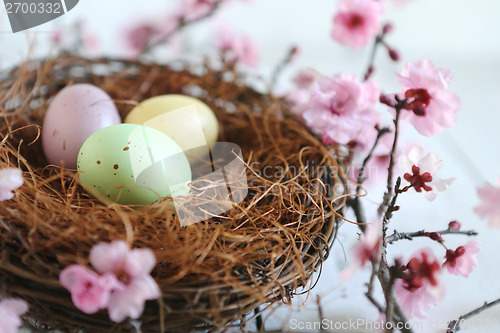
column 298, row 99
column 462, row 260
column 123, row 285
column 195, row 9
column 132, row 268
column 342, row 109
column 421, row 171
column 224, row 36
column 11, row 310
column 366, row 249
column 426, row 89
column 357, row 22
column 137, row 37
column 236, row 47
column 306, row 78
column 90, row 42
column 90, row 292
column 56, row 37
column 400, row 3
column 10, row 180
column 416, row 303
column 419, row 288
column 246, row 50
column 490, row 204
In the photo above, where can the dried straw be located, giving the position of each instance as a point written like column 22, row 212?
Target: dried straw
column 210, row 273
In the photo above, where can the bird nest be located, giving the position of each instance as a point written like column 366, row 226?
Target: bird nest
column 213, row 273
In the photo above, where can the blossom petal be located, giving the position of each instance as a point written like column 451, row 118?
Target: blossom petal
column 6, row 194
column 129, row 303
column 489, row 206
column 10, row 311
column 404, row 163
column 10, row 180
column 14, row 305
column 442, row 184
column 494, row 221
column 140, row 262
column 431, row 196
column 415, row 155
column 88, row 292
column 108, row 257
column 430, row 163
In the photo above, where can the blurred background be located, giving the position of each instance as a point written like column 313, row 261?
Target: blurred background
column 460, row 35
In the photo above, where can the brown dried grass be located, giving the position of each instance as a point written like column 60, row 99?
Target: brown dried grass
column 210, row 273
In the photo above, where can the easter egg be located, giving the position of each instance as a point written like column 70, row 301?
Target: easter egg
column 75, row 113
column 187, row 120
column 132, row 164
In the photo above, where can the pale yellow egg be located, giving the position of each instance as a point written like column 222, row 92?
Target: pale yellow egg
column 186, row 120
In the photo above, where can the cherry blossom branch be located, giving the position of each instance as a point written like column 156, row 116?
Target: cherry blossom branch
column 370, row 69
column 292, row 52
column 380, row 40
column 396, row 236
column 400, row 105
column 393, row 310
column 183, row 23
column 355, row 202
column 320, row 313
column 454, row 325
column 361, row 177
column 381, row 272
column 389, row 297
column 392, row 206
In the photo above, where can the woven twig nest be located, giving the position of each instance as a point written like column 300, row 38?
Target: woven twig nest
column 210, row 273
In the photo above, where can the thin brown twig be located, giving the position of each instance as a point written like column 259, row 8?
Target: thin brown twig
column 388, row 216
column 454, row 325
column 361, row 174
column 370, row 68
column 355, row 202
column 389, row 192
column 320, row 313
column 183, row 23
column 282, row 65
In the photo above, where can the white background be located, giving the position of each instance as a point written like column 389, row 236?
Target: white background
column 462, row 35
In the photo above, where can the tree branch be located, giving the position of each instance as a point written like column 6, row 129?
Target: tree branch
column 396, row 236
column 355, row 202
column 370, row 67
column 361, row 174
column 282, row 65
column 454, row 325
column 388, row 194
column 182, row 24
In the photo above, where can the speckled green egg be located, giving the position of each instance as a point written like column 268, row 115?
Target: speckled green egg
column 132, row 165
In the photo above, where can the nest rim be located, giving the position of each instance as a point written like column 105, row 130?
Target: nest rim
column 52, row 306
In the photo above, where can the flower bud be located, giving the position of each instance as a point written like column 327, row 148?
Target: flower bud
column 369, row 72
column 454, row 226
column 388, row 27
column 393, row 54
column 387, row 100
column 436, row 236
